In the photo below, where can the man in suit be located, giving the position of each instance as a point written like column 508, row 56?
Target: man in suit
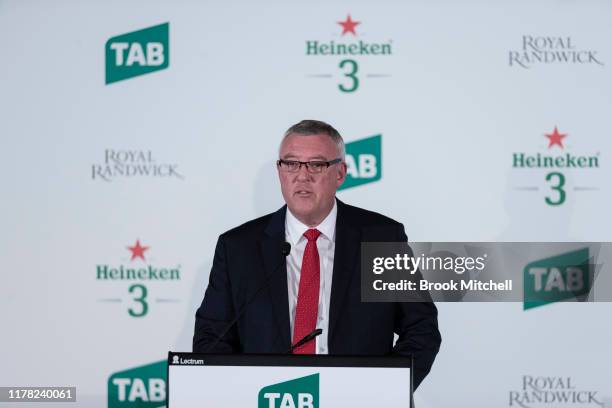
column 262, row 300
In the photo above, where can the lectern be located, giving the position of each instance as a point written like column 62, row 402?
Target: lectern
column 288, row 381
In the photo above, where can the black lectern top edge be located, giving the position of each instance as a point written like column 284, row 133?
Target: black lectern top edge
column 283, row 360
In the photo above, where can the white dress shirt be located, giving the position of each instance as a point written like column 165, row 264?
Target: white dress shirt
column 294, row 234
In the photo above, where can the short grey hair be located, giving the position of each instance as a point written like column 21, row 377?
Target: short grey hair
column 311, row 127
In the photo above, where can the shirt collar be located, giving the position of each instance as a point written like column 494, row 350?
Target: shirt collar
column 295, row 229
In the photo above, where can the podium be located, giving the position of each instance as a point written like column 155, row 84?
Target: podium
column 288, row 381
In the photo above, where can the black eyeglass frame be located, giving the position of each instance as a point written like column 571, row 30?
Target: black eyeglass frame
column 327, row 164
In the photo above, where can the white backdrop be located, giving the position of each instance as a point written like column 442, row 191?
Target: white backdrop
column 451, row 111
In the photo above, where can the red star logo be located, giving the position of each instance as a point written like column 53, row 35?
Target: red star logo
column 555, row 138
column 138, row 250
column 349, row 25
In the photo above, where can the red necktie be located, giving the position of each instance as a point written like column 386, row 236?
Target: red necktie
column 307, row 307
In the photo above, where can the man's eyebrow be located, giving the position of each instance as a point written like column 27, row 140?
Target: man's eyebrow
column 291, row 156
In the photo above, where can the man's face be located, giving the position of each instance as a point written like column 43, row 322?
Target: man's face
column 309, row 196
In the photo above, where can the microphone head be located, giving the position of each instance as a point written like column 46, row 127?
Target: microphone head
column 285, row 248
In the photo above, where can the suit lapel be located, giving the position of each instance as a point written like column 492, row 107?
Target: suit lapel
column 273, row 259
column 345, row 260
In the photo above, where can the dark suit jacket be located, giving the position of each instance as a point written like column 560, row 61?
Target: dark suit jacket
column 247, row 255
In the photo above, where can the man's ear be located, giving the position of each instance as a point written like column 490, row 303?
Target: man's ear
column 341, row 173
column 278, row 172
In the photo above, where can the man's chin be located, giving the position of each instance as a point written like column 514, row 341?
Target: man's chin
column 302, row 210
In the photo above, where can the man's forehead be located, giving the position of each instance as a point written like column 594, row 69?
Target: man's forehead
column 319, row 145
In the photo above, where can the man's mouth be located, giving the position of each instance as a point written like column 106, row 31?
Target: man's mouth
column 302, row 193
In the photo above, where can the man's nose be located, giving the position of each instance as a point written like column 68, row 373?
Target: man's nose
column 303, row 173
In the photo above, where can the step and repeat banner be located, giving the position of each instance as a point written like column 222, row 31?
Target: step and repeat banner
column 134, row 133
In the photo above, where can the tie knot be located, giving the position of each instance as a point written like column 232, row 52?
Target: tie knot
column 312, row 234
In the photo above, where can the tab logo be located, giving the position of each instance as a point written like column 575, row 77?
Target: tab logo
column 137, row 53
column 143, row 386
column 363, row 162
column 299, row 393
column 561, row 277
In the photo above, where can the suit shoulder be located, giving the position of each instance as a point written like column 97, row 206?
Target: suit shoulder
column 249, row 229
column 368, row 218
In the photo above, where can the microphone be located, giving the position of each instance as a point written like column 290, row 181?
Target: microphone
column 310, row 336
column 285, row 250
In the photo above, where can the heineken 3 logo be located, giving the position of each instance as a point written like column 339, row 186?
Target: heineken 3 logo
column 139, row 273
column 554, row 165
column 347, row 53
column 299, row 393
column 137, row 53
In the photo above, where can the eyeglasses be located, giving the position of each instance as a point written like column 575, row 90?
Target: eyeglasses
column 314, row 167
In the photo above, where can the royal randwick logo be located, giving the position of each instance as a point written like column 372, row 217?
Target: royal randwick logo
column 129, row 164
column 142, row 387
column 298, row 393
column 567, row 276
column 554, row 163
column 363, row 162
column 547, row 50
column 138, row 273
column 137, row 53
column 553, row 392
column 344, row 54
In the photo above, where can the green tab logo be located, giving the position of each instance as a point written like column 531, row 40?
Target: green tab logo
column 142, row 387
column 137, row 53
column 363, row 161
column 554, row 279
column 299, row 393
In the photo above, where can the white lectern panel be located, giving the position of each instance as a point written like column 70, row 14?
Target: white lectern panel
column 282, row 386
